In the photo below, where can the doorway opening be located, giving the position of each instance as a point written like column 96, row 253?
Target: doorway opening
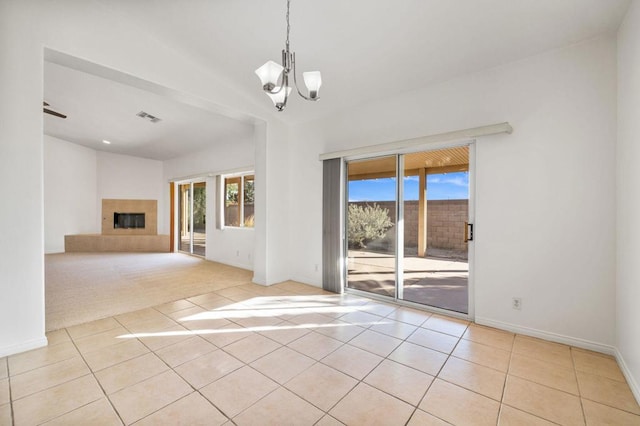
column 407, row 227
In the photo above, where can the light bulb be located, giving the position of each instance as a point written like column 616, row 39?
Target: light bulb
column 280, row 97
column 313, row 81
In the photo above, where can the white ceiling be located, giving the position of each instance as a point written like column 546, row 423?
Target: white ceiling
column 98, row 108
column 365, row 49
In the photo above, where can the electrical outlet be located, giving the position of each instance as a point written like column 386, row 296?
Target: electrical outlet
column 316, row 267
column 516, row 303
column 237, row 253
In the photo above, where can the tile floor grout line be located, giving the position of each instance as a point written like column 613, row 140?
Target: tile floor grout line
column 262, row 397
column 319, row 362
column 91, row 334
column 68, row 412
column 326, row 412
column 244, row 364
column 92, row 373
column 253, row 360
column 148, row 378
column 437, row 377
column 51, row 386
column 611, row 406
column 153, row 352
column 343, row 397
column 361, row 381
column 198, row 390
column 342, row 344
column 556, row 389
column 580, row 398
column 170, row 368
column 11, row 409
column 187, row 382
column 537, row 416
column 506, row 376
column 94, row 376
column 513, row 353
column 386, row 358
column 328, row 366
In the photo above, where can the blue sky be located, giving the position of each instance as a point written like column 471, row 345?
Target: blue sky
column 448, row 186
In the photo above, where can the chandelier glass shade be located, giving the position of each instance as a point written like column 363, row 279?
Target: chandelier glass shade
column 275, row 77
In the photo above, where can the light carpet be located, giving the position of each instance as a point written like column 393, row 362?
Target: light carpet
column 82, row 287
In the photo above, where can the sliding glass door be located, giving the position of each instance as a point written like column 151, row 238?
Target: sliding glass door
column 192, row 217
column 435, row 203
column 184, row 217
column 371, row 228
column 407, row 227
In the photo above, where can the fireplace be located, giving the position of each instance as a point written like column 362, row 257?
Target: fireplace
column 127, row 226
column 128, row 220
column 129, row 217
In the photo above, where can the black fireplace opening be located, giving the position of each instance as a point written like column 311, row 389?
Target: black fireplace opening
column 128, row 220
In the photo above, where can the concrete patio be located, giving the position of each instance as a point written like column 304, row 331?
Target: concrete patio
column 432, row 281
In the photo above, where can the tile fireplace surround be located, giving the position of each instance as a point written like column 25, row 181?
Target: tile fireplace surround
column 114, row 239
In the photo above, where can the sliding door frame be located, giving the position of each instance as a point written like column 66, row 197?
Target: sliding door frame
column 399, row 251
column 176, row 207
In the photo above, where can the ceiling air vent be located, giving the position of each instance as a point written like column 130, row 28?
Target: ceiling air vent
column 148, row 117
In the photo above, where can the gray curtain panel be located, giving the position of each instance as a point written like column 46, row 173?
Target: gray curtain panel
column 331, row 232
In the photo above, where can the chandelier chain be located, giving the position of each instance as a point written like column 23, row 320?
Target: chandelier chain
column 288, row 25
column 275, row 77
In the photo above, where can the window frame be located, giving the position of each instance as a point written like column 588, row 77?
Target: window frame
column 240, row 179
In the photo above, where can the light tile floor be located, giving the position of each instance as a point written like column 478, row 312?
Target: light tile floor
column 291, row 354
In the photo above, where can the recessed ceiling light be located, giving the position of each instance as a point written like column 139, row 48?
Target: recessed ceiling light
column 106, row 142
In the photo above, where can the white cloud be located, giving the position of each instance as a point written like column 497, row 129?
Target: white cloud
column 456, row 179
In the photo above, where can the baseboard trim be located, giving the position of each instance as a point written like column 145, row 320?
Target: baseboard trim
column 234, row 264
column 23, row 347
column 631, row 381
column 546, row 335
column 258, row 279
column 306, row 280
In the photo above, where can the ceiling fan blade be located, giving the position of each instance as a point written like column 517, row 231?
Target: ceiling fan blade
column 55, row 113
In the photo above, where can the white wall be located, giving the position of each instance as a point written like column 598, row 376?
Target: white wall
column 76, row 179
column 70, row 183
column 21, row 160
column 628, row 197
column 222, row 156
column 545, row 194
column 265, row 249
column 233, row 246
column 230, row 246
column 305, row 177
column 272, row 195
column 126, row 177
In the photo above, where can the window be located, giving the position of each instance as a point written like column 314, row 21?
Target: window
column 239, row 201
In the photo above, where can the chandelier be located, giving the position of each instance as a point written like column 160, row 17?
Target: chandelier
column 275, row 77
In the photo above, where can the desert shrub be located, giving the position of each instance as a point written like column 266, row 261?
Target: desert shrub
column 366, row 223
